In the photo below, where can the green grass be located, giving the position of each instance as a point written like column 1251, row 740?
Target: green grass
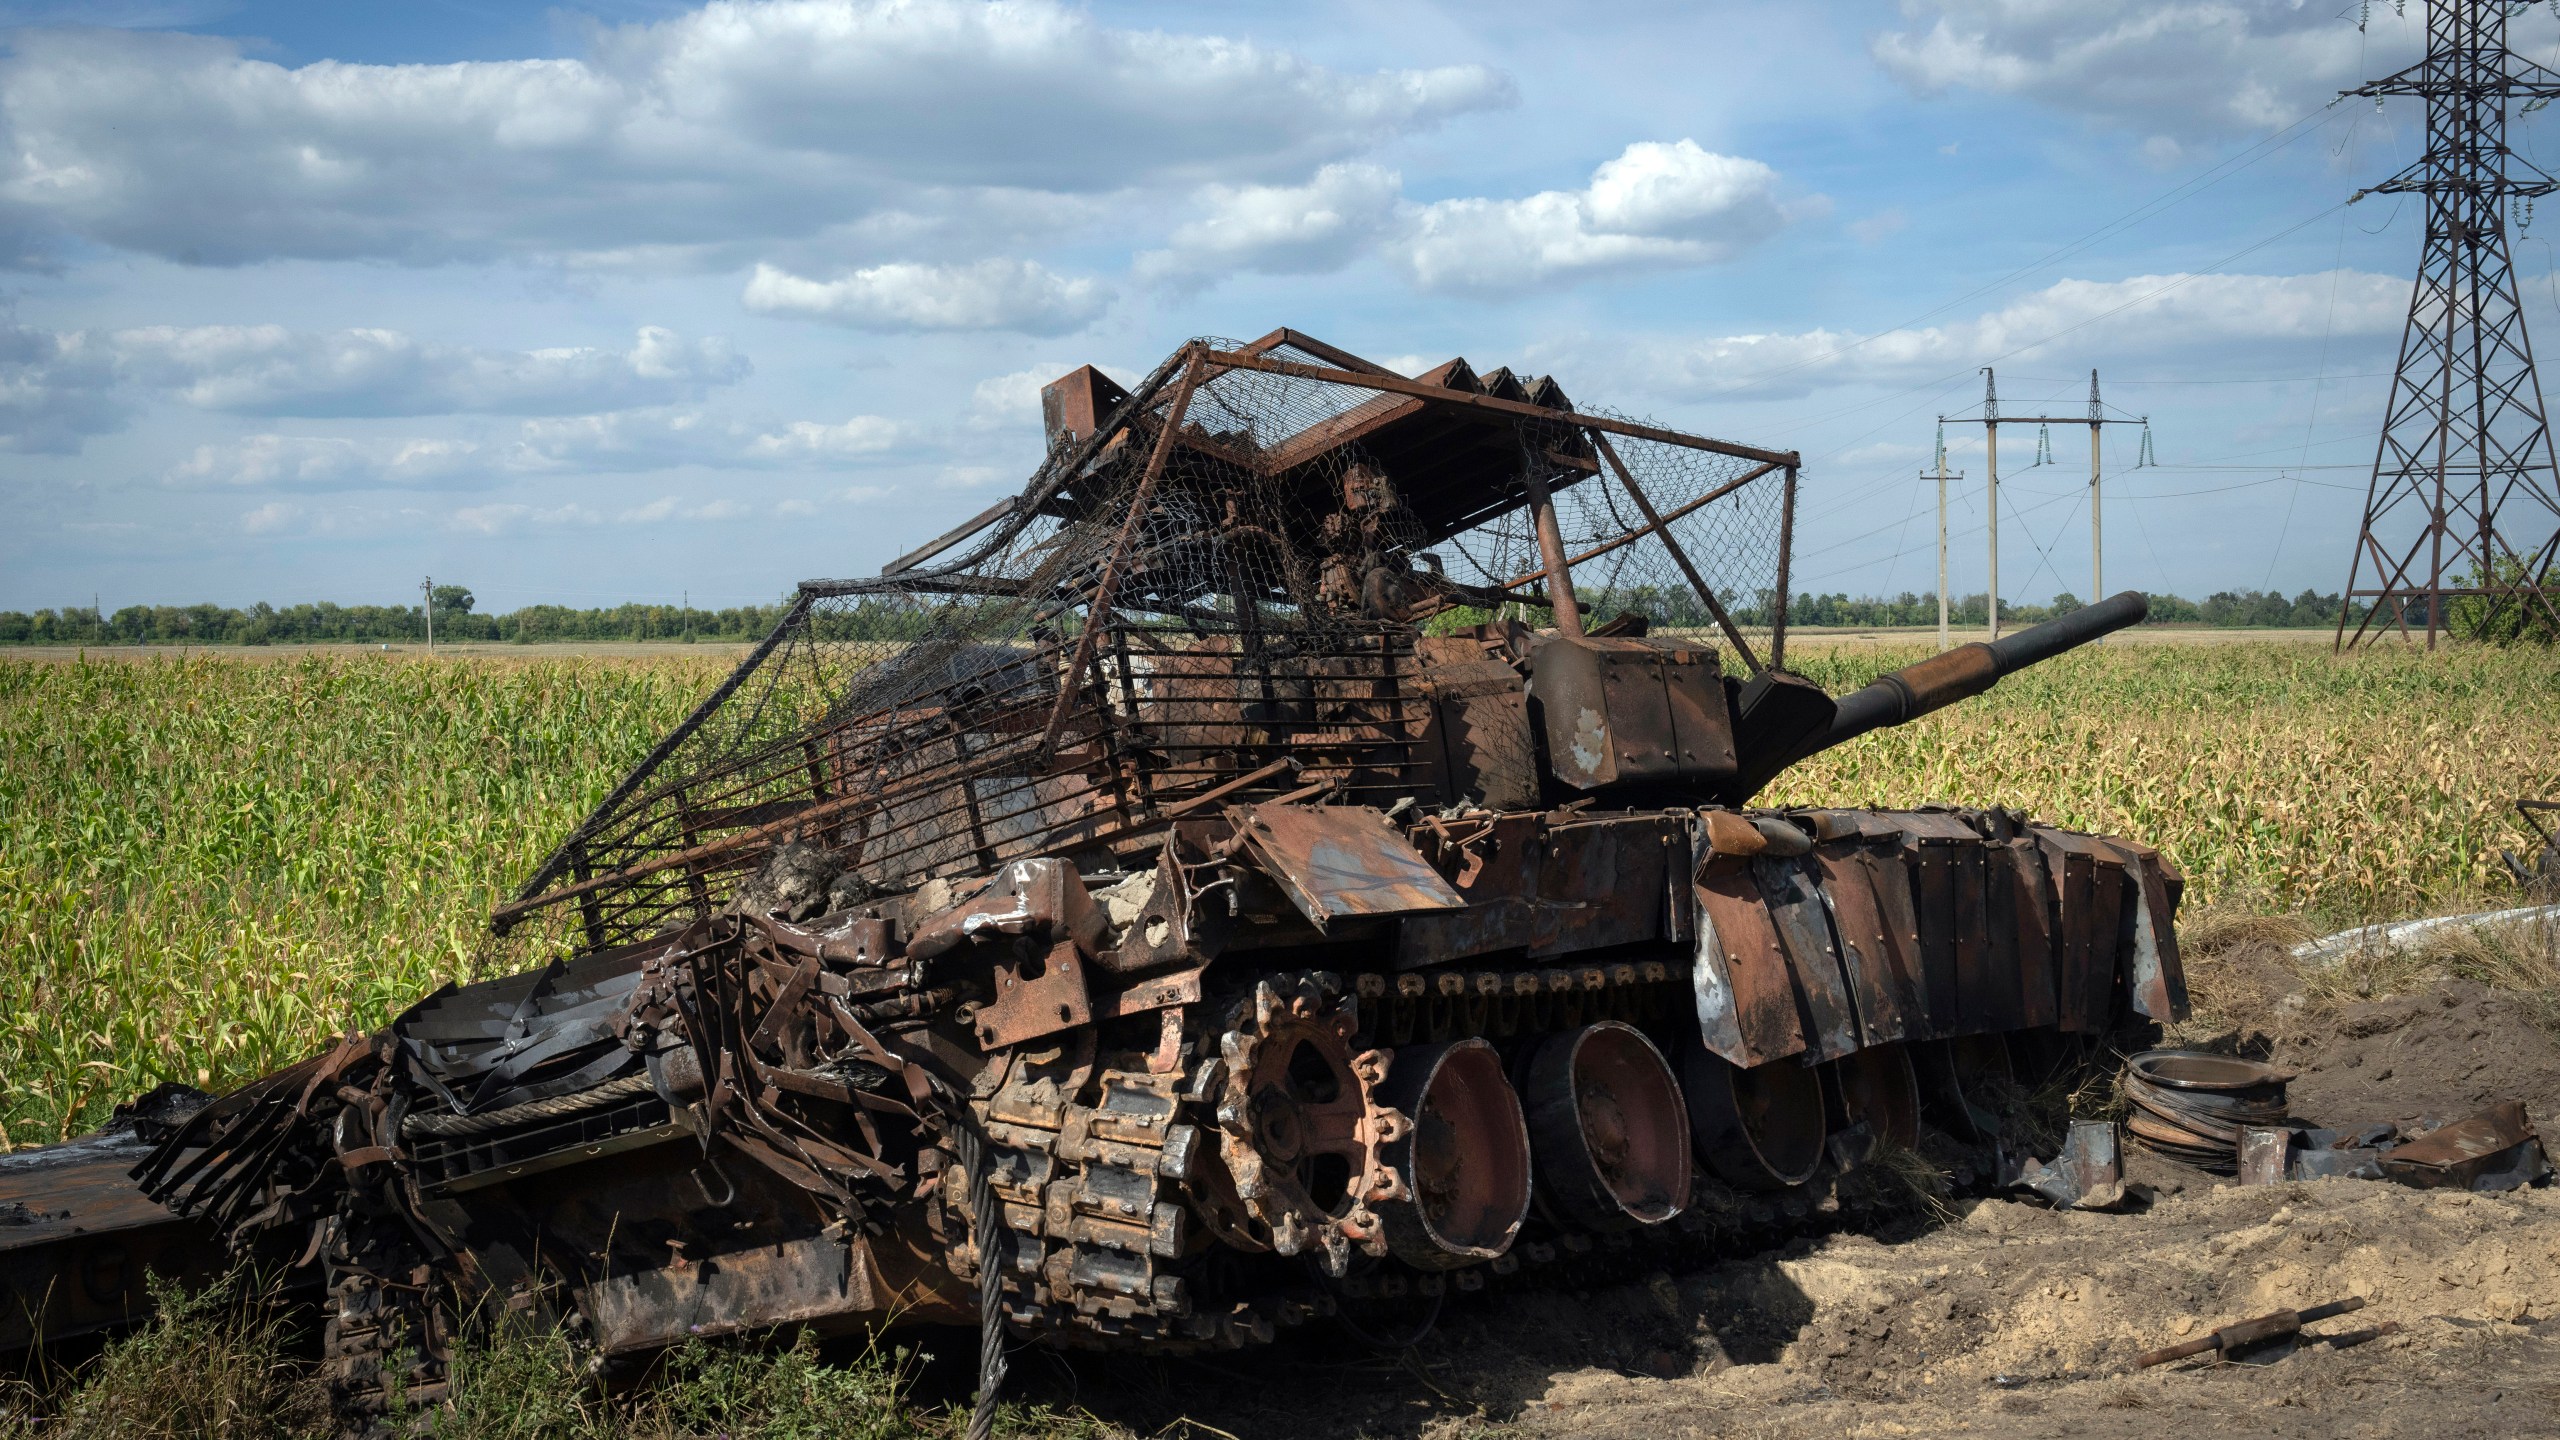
column 208, row 866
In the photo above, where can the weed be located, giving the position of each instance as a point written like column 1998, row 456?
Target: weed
column 211, row 1365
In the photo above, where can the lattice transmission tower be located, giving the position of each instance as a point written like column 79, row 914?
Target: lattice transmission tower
column 2465, row 497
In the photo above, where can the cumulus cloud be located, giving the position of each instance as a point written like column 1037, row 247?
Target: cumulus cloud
column 1285, row 229
column 660, row 440
column 506, row 516
column 986, row 295
column 1013, row 399
column 56, row 391
column 810, row 440
column 57, row 388
column 269, row 370
column 624, row 442
column 312, row 462
column 1655, row 204
column 2144, row 315
column 668, row 507
column 736, row 123
column 2175, row 71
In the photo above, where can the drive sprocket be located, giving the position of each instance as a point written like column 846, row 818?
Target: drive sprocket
column 1299, row 1123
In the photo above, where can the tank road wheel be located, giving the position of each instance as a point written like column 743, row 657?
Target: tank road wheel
column 1299, row 1122
column 1878, row 1088
column 1463, row 1163
column 1609, row 1129
column 1963, row 1083
column 1761, row 1128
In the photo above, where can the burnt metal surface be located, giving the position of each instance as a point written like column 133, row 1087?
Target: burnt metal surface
column 1135, row 918
column 2497, row 1149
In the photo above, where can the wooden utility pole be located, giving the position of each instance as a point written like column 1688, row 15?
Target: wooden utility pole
column 427, row 606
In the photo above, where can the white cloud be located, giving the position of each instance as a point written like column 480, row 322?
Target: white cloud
column 309, row 462
column 622, row 442
column 269, row 370
column 2176, row 70
column 734, row 124
column 661, row 439
column 269, row 518
column 1655, row 204
column 668, row 507
column 984, row 295
column 1002, row 401
column 2143, row 315
column 1284, row 229
column 809, row 440
column 57, row 388
column 503, row 517
column 55, row 391
column 795, row 509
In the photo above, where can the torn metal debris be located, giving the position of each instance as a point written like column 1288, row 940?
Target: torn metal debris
column 2088, row 1174
column 1240, row 877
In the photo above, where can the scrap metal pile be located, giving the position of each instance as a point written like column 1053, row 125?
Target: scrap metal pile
column 1238, row 879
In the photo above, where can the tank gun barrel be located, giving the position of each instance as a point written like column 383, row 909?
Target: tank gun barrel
column 1968, row 670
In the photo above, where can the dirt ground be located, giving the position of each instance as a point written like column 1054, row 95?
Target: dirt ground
column 2001, row 1317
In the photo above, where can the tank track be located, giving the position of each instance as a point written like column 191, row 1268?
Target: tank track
column 1111, row 1192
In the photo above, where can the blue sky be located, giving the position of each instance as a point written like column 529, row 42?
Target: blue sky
column 634, row 301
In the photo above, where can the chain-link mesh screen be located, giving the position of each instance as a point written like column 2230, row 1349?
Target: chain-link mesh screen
column 1163, row 622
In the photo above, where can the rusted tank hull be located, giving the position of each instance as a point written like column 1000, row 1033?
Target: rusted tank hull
column 1175, row 917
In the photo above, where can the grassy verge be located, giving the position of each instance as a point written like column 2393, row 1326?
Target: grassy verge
column 218, row 1365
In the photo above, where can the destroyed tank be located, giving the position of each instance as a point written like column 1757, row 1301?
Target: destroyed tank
column 1238, row 880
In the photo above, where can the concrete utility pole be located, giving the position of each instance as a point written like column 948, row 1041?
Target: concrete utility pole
column 2097, row 554
column 1991, row 459
column 1992, row 420
column 1942, row 533
column 427, row 593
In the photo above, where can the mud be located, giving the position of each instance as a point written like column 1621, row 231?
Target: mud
column 2443, row 1052
column 2004, row 1318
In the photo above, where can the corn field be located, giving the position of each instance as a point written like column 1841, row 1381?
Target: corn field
column 208, row 866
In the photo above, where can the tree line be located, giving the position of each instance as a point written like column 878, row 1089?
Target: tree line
column 456, row 619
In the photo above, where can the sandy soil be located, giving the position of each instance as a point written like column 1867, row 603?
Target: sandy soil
column 2000, row 1317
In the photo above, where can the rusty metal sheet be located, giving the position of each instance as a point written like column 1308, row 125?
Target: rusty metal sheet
column 2496, row 1149
column 2155, row 980
column 1933, row 886
column 2110, row 927
column 78, row 1239
column 1985, row 1001
column 1602, row 883
column 812, row 1277
column 1479, row 725
column 2019, row 865
column 1746, row 1001
column 1813, row 957
column 1881, row 955
column 1493, row 864
column 1036, row 996
column 2084, row 971
column 1341, row 862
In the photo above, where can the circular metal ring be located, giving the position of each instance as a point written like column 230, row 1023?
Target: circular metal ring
column 1462, row 1158
column 1760, row 1128
column 1609, row 1128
